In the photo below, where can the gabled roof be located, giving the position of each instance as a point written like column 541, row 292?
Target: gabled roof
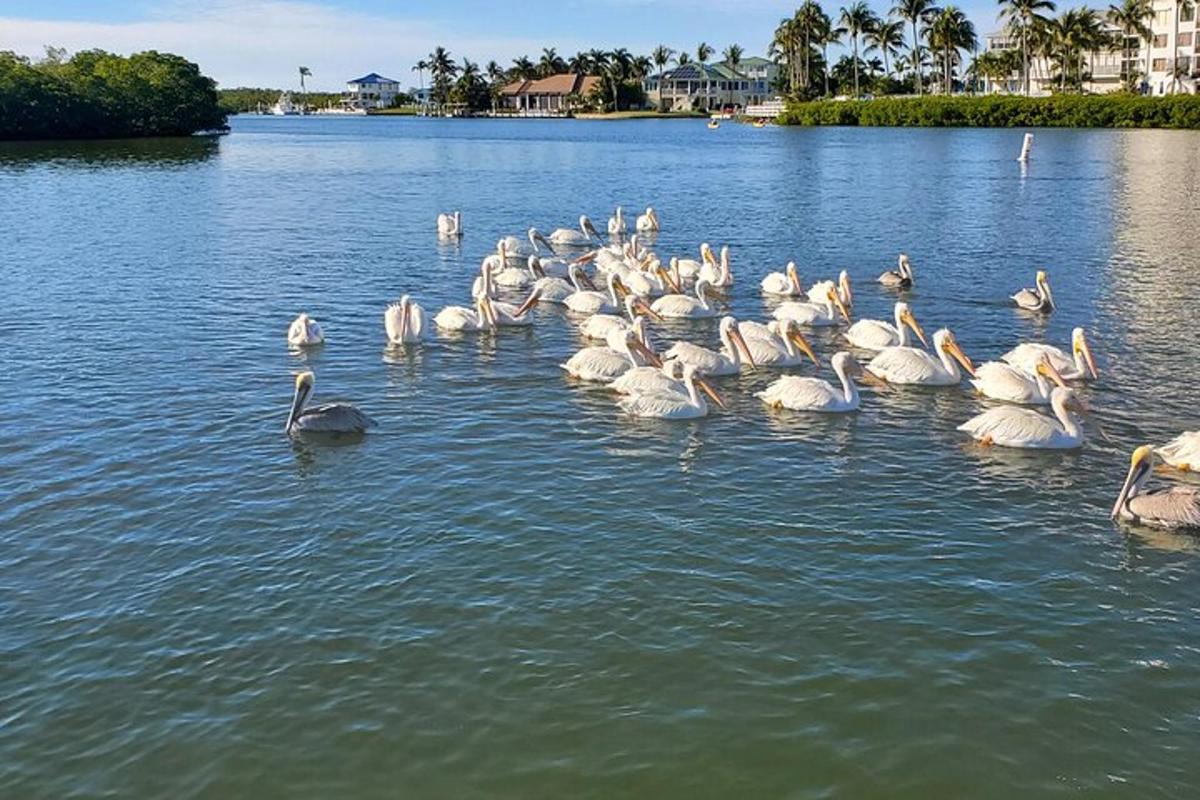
column 563, row 84
column 374, row 77
column 756, row 61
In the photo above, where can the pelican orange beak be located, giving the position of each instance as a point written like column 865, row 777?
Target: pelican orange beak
column 621, row 288
column 953, row 349
column 706, row 254
column 794, row 276
column 874, row 380
column 740, row 342
column 529, row 303
column 1046, row 369
column 644, row 307
column 586, row 281
column 586, row 258
column 1141, row 463
column 703, row 385
column 667, row 279
column 798, row 339
column 911, row 321
column 1083, row 347
column 645, row 352
column 540, row 238
column 488, row 311
column 847, row 290
column 841, row 307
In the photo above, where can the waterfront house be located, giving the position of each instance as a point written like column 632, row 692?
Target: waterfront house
column 546, row 97
column 692, row 87
column 370, row 92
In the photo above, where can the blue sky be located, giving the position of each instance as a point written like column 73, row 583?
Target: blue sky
column 261, row 42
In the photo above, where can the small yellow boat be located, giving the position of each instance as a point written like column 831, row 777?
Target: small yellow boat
column 713, row 124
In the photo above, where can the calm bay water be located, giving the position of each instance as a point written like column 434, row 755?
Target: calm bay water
column 511, row 590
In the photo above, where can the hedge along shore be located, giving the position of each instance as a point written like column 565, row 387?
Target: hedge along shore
column 1002, row 111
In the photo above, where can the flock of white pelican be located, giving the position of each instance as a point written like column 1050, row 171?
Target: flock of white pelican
column 614, row 289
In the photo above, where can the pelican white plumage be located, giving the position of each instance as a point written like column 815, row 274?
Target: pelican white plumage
column 672, row 404
column 599, row 326
column 450, row 225
column 1012, row 426
column 845, row 292
column 507, row 315
column 616, row 223
column 783, row 284
column 875, row 334
column 1080, row 365
column 910, row 366
column 814, row 394
column 718, row 273
column 1039, row 298
column 1182, row 452
column 778, row 344
column 591, row 301
column 569, row 237
column 1177, row 507
column 603, row 363
column 325, row 418
column 305, row 332
column 682, row 306
column 648, row 222
column 901, row 277
column 404, row 322
column 816, row 315
column 506, row 274
column 687, row 269
column 461, row 318
column 1000, row 380
column 727, row 361
column 647, row 379
column 551, row 289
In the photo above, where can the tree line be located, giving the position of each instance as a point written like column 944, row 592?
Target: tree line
column 95, row 94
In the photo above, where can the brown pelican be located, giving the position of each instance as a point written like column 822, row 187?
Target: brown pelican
column 900, row 278
column 1039, row 298
column 305, row 332
column 1176, row 507
column 326, row 418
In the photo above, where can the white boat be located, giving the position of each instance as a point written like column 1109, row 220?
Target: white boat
column 284, row 107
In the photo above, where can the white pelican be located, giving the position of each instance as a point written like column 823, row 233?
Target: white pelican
column 484, row 285
column 1182, row 452
column 908, row 365
column 783, row 284
column 461, row 318
column 900, row 278
column 1002, row 381
column 599, row 326
column 608, row 363
column 1079, row 366
column 717, row 273
column 1176, row 507
column 551, row 289
column 875, row 334
column 507, row 275
column 813, row 314
column 814, row 394
column 644, row 380
column 450, row 224
column 305, row 332
column 728, row 361
column 778, row 344
column 674, row 404
column 682, row 306
column 325, row 418
column 404, row 322
column 1038, row 298
column 590, row 301
column 648, row 222
column 616, row 223
column 817, row 292
column 568, row 237
column 687, row 269
column 1011, row 426
column 506, row 315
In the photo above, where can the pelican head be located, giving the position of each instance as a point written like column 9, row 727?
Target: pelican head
column 304, row 387
column 1140, row 467
column 664, row 275
column 587, row 227
column 730, row 333
column 790, row 329
column 633, row 340
column 793, row 275
column 1043, row 284
column 535, row 268
column 837, row 303
column 1083, row 351
column 537, row 239
column 653, row 216
column 706, row 254
column 844, row 287
column 691, row 377
column 945, row 342
column 703, row 287
column 1046, row 369
column 904, row 316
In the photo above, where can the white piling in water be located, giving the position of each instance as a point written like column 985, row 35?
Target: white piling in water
column 1026, row 147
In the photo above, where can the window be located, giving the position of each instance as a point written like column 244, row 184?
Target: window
column 1187, row 13
column 1158, row 65
column 1185, row 40
column 1160, row 40
column 1162, row 18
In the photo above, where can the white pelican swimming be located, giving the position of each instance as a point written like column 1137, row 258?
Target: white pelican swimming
column 484, row 285
column 1174, row 508
column 817, row 315
column 908, row 365
column 900, row 278
column 305, row 332
column 591, row 301
column 818, row 291
column 599, row 326
column 814, row 394
column 461, row 318
column 682, row 306
column 875, row 334
column 669, row 404
column 783, row 284
column 616, row 223
column 551, row 289
column 1038, row 298
column 644, row 380
column 717, row 273
column 1079, row 366
column 686, row 269
column 1012, row 426
column 506, row 315
column 777, row 344
column 1000, row 380
column 1182, row 452
column 727, row 361
column 505, row 274
column 404, row 322
column 567, row 237
column 326, row 418
column 648, row 222
column 450, row 224
column 516, row 249
column 609, row 363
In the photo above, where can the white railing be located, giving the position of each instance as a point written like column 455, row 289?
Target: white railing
column 771, row 108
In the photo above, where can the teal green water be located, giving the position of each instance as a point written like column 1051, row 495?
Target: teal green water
column 509, row 589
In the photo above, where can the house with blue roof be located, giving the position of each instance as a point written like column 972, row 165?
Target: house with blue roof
column 370, row 92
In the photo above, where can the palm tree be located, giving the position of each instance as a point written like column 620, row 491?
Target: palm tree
column 857, row 18
column 442, row 68
column 617, row 70
column 1021, row 17
column 733, row 60
column 496, row 77
column 949, row 32
column 825, row 34
column 915, row 12
column 684, row 58
column 808, row 20
column 1133, row 17
column 579, row 64
column 1177, row 74
column 551, row 63
column 703, row 54
column 523, row 68
column 887, row 36
column 420, row 68
column 640, row 67
column 661, row 56
column 783, row 49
